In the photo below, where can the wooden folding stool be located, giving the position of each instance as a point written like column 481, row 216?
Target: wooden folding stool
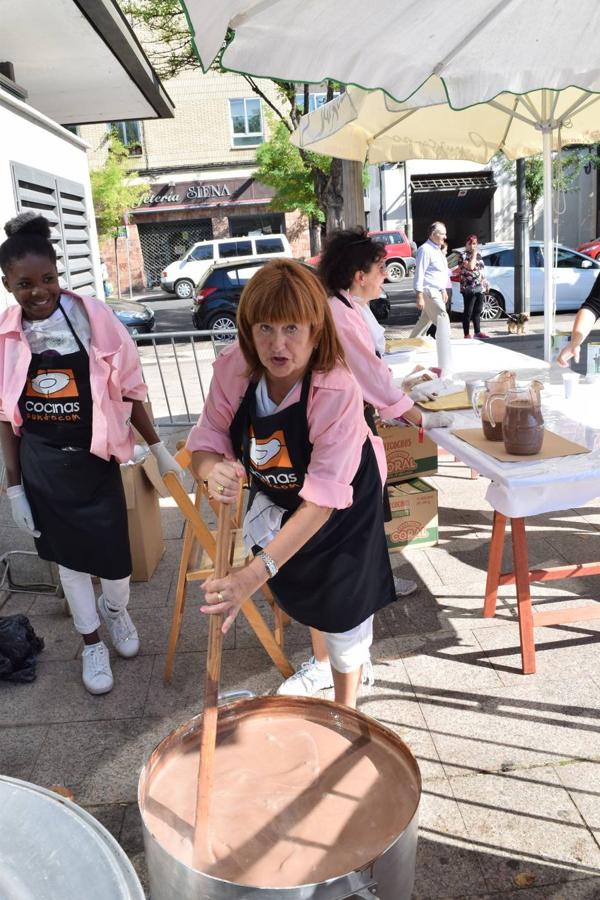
column 197, row 563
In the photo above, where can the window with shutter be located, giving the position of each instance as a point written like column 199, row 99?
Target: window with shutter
column 62, row 202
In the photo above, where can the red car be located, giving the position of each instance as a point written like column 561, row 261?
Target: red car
column 590, row 248
column 399, row 253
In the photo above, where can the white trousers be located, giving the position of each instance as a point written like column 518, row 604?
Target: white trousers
column 435, row 313
column 82, row 601
column 348, row 650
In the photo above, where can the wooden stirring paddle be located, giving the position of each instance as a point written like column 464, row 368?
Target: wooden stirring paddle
column 202, row 847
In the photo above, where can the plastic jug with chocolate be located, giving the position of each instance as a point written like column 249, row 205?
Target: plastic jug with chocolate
column 495, row 391
column 523, row 423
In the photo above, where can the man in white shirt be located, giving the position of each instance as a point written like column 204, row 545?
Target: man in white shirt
column 430, row 283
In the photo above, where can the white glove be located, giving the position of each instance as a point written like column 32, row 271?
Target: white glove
column 436, row 420
column 21, row 510
column 166, row 462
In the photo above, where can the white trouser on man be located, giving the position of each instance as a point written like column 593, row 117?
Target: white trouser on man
column 436, row 313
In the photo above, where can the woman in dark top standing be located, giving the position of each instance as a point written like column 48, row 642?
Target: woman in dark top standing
column 586, row 318
column 472, row 287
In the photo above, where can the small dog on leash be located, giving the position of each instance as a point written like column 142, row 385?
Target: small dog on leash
column 516, row 324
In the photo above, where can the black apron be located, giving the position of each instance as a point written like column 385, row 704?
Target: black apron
column 342, row 575
column 76, row 498
column 370, row 420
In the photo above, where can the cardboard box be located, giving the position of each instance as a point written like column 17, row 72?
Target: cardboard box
column 414, row 522
column 143, row 484
column 406, row 457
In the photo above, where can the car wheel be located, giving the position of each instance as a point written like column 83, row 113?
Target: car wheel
column 223, row 322
column 395, row 271
column 493, row 307
column 184, row 289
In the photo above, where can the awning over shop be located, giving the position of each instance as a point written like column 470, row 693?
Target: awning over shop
column 204, row 195
column 455, row 195
column 79, row 62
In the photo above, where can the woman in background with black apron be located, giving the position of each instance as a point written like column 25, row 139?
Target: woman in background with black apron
column 71, row 385
column 352, row 268
column 283, row 404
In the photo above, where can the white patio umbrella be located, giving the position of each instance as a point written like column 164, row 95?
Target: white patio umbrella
column 370, row 126
column 478, row 51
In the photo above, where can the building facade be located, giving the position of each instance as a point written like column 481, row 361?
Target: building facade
column 199, row 173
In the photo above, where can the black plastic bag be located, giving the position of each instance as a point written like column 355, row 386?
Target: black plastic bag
column 19, row 646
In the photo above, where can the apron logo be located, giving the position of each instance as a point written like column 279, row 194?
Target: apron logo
column 52, row 383
column 270, row 453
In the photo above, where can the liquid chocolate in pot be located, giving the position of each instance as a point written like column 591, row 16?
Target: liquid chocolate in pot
column 294, row 801
column 491, row 432
column 523, row 428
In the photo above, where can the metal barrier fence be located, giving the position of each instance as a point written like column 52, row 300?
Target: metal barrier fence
column 177, row 368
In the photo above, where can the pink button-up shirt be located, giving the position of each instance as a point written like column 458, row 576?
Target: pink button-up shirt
column 115, row 373
column 374, row 377
column 336, row 426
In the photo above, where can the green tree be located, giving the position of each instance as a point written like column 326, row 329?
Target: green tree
column 566, row 168
column 165, row 33
column 114, row 194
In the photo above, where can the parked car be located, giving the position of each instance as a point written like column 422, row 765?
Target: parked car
column 136, row 317
column 574, row 274
column 218, row 293
column 590, row 248
column 400, row 253
column 182, row 276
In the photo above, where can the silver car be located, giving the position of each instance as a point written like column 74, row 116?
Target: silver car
column 574, row 276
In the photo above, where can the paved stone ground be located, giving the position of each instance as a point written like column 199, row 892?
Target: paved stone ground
column 510, row 763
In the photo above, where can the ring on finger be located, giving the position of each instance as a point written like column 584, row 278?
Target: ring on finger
column 220, row 489
column 220, row 596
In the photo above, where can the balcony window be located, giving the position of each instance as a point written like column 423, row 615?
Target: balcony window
column 314, row 101
column 130, row 135
column 246, row 122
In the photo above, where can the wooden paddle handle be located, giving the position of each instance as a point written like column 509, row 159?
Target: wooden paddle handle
column 211, row 694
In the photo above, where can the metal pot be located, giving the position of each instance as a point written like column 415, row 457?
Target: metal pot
column 389, row 877
column 51, row 849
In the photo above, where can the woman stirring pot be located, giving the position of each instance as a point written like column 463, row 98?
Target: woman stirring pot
column 71, row 386
column 283, row 406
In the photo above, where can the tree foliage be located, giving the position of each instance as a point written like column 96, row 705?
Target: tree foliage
column 282, row 167
column 113, row 191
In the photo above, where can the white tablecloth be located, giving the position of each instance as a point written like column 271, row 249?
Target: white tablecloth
column 471, row 359
column 529, row 488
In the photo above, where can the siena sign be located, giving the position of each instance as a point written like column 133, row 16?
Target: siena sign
column 204, row 193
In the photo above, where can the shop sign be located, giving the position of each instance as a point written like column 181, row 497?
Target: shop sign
column 192, row 192
column 204, row 193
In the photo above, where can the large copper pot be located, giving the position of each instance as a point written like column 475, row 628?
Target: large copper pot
column 388, row 877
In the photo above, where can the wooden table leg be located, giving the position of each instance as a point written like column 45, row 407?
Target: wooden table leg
column 494, row 565
column 521, row 570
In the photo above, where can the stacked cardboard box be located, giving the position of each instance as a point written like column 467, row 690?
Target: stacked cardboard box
column 410, row 454
column 414, row 515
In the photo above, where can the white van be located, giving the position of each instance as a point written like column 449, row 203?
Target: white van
column 182, row 276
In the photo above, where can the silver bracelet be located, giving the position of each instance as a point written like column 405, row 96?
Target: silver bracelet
column 270, row 564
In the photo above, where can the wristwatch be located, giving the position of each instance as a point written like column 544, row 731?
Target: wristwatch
column 270, row 564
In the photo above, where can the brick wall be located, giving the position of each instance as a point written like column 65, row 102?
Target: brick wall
column 199, row 134
column 136, row 262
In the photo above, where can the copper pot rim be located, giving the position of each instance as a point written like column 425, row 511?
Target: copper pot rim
column 232, row 712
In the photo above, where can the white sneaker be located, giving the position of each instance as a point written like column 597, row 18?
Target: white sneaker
column 310, row 678
column 404, row 586
column 368, row 676
column 123, row 633
column 97, row 676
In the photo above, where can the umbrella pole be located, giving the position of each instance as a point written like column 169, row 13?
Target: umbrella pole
column 548, row 244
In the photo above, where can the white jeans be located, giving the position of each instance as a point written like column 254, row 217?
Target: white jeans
column 82, row 601
column 435, row 313
column 348, row 650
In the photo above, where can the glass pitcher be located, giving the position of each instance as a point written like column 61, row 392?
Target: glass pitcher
column 494, row 389
column 523, row 423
